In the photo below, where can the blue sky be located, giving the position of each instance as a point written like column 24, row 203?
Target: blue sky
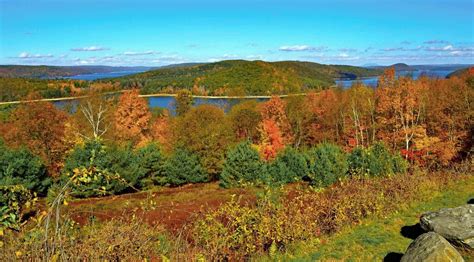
column 154, row 33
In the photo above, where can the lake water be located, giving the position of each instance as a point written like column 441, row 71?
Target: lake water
column 169, row 102
column 226, row 104
column 96, row 76
column 372, row 81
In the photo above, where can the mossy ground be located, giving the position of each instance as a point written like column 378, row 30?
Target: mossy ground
column 379, row 239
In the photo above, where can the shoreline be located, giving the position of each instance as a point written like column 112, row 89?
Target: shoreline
column 148, row 96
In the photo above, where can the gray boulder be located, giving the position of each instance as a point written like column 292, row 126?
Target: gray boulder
column 454, row 224
column 431, row 247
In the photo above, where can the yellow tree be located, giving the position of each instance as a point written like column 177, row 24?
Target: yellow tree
column 400, row 110
column 360, row 109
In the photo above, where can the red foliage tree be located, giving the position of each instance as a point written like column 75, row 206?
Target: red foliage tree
column 274, row 110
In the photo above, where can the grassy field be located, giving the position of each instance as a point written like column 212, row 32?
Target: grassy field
column 378, row 239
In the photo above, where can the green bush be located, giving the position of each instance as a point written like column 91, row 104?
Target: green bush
column 184, row 167
column 289, row 166
column 14, row 199
column 151, row 161
column 327, row 164
column 376, row 160
column 133, row 169
column 21, row 167
column 242, row 165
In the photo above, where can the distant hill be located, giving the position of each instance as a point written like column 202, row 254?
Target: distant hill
column 25, row 71
column 402, row 67
column 458, row 72
column 245, row 77
column 398, row 67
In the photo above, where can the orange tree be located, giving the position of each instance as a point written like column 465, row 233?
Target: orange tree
column 132, row 118
column 40, row 127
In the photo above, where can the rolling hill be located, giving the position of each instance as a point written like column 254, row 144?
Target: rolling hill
column 25, row 71
column 241, row 77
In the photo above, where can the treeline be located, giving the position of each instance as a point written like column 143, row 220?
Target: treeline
column 15, row 89
column 118, row 145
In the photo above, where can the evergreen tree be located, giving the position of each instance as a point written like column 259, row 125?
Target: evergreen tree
column 184, row 167
column 328, row 163
column 242, row 164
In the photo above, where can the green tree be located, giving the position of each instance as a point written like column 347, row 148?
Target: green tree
column 205, row 131
column 184, row 102
column 289, row 166
column 117, row 169
column 244, row 119
column 184, row 167
column 242, row 165
column 328, row 163
column 376, row 160
column 21, row 167
column 151, row 161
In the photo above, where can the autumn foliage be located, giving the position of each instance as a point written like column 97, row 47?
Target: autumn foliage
column 41, row 128
column 272, row 140
column 132, row 118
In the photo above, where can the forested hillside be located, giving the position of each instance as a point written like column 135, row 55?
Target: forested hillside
column 240, row 77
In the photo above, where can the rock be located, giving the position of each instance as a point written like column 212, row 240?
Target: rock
column 454, row 224
column 431, row 247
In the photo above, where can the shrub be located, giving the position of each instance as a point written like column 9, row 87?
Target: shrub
column 242, row 165
column 21, row 167
column 376, row 160
column 94, row 181
column 235, row 232
column 327, row 164
column 14, row 199
column 184, row 167
column 289, row 166
column 128, row 168
column 113, row 240
column 238, row 231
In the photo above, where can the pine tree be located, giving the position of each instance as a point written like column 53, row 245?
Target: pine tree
column 184, row 167
column 242, row 164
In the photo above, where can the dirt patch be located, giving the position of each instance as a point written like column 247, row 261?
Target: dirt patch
column 170, row 207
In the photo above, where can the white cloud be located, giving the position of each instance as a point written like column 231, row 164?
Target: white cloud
column 26, row 55
column 341, row 57
column 449, row 48
column 299, row 48
column 89, row 49
column 150, row 52
column 393, row 49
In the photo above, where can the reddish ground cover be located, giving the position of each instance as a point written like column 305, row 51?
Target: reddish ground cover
column 171, row 207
